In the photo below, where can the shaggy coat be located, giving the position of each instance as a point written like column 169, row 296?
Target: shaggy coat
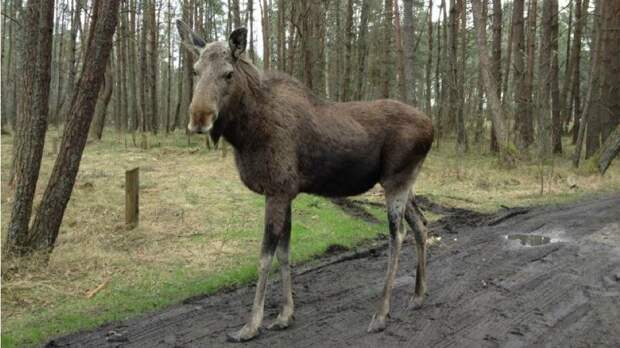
column 287, row 140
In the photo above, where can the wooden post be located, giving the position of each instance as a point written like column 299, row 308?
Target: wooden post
column 132, row 187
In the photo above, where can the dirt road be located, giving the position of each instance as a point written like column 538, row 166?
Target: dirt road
column 485, row 289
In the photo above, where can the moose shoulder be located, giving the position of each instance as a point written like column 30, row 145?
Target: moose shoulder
column 287, row 141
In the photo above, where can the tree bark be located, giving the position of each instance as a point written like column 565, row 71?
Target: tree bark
column 387, row 49
column 609, row 151
column 362, row 52
column 497, row 61
column 523, row 82
column 105, row 94
column 34, row 70
column 462, row 143
column 556, row 120
column 348, row 48
column 408, row 32
column 593, row 88
column 429, row 61
column 403, row 84
column 610, row 68
column 489, row 85
column 266, row 23
column 99, row 45
column 574, row 99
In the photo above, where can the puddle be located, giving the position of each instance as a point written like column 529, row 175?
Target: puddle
column 529, row 239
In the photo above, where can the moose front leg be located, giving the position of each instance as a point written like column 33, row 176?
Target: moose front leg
column 277, row 223
column 285, row 318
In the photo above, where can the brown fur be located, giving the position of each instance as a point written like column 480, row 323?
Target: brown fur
column 287, row 140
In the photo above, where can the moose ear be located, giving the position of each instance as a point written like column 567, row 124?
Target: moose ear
column 192, row 41
column 237, row 42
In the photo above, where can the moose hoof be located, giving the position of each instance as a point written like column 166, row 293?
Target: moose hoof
column 416, row 302
column 245, row 334
column 281, row 323
column 377, row 324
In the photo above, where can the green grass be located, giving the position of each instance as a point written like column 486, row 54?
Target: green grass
column 317, row 224
column 200, row 228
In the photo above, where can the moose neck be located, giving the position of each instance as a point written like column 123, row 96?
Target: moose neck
column 242, row 124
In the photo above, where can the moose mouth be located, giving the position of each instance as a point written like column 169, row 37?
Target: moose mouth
column 199, row 130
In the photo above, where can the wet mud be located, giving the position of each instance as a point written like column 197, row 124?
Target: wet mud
column 490, row 285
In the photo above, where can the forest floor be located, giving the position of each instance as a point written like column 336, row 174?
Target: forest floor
column 200, row 229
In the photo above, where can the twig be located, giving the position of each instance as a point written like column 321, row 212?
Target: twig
column 94, row 291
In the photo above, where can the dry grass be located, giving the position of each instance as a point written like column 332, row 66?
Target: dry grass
column 199, row 222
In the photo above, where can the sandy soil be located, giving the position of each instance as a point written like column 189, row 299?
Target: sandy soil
column 485, row 289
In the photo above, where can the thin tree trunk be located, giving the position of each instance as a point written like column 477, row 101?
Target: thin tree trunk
column 105, row 94
column 556, row 120
column 574, row 101
column 35, row 57
column 609, row 151
column 429, row 61
column 409, row 59
column 497, row 62
column 346, row 82
column 523, row 78
column 387, row 42
column 462, row 142
column 610, row 66
column 362, row 52
column 593, row 86
column 403, row 84
column 153, row 51
column 266, row 23
column 489, row 84
column 99, row 45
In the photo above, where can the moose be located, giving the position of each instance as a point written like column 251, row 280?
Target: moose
column 287, row 141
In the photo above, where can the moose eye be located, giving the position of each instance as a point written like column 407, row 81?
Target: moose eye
column 228, row 75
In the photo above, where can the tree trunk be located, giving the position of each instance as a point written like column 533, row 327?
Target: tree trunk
column 362, row 52
column 610, row 68
column 545, row 76
column 348, row 48
column 462, row 142
column 266, row 23
column 593, row 88
column 387, row 49
column 497, row 62
column 96, row 131
column 556, row 121
column 574, row 101
column 609, row 151
column 429, row 61
column 99, row 45
column 34, row 70
column 403, row 84
column 523, row 78
column 153, row 51
column 489, row 85
column 453, row 67
column 408, row 31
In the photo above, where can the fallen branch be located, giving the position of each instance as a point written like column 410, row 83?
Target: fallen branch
column 94, row 291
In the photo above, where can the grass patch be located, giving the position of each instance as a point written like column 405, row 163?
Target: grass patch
column 200, row 229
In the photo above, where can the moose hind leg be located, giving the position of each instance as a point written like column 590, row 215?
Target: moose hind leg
column 285, row 317
column 396, row 207
column 277, row 218
column 414, row 219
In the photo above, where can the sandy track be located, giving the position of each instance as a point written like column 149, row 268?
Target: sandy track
column 484, row 290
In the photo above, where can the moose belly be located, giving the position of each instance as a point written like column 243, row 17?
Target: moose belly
column 339, row 173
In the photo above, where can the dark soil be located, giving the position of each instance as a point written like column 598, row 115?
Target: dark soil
column 486, row 288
